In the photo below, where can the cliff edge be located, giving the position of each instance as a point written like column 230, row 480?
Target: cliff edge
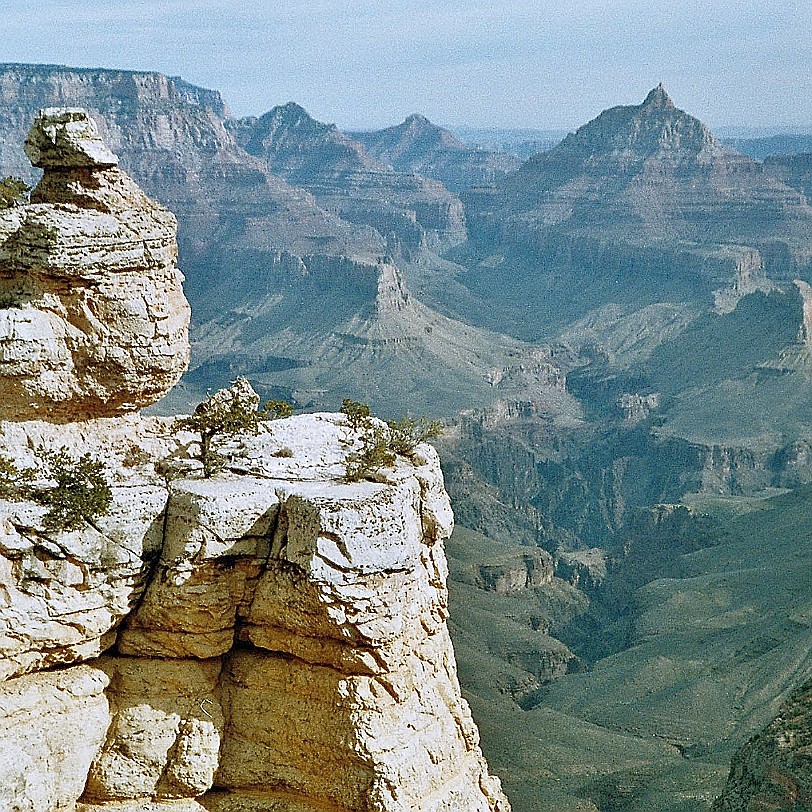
column 271, row 638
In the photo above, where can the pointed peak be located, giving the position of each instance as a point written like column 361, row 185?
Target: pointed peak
column 658, row 99
column 288, row 112
column 416, row 119
column 293, row 107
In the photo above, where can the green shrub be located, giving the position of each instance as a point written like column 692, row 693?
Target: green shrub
column 81, row 493
column 373, row 454
column 380, row 444
column 405, row 434
column 357, row 413
column 276, row 410
column 13, row 192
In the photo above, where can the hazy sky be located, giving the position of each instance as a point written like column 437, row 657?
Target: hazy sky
column 535, row 63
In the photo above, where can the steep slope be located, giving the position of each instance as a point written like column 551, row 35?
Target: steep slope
column 716, row 647
column 414, row 210
column 421, row 147
column 640, row 205
column 369, row 337
column 774, row 769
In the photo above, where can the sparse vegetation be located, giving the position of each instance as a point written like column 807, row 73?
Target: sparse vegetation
column 13, row 192
column 284, row 452
column 373, row 454
column 408, row 432
column 276, row 410
column 379, row 443
column 15, row 483
column 80, row 492
column 229, row 412
column 357, row 413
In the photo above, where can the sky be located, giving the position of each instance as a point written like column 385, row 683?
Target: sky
column 546, row 64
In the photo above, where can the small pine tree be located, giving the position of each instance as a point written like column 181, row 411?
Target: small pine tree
column 81, row 493
column 230, row 411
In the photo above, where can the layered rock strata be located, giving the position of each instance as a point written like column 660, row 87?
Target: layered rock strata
column 93, row 321
column 284, row 643
column 270, row 638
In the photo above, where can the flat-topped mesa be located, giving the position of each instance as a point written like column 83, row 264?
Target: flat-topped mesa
column 93, row 320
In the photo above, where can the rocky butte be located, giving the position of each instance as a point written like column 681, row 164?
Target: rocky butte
column 271, row 638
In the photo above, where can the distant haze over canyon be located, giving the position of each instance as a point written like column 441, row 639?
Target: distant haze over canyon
column 614, row 324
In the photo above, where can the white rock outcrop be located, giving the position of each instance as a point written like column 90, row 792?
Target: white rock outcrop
column 93, row 320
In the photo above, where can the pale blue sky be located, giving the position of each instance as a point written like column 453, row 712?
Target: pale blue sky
column 534, row 63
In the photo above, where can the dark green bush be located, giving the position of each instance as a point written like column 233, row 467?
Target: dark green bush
column 81, row 493
column 13, row 192
column 276, row 410
column 405, row 434
column 380, row 444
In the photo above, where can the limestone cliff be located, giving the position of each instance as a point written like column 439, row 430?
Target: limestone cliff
column 271, row 638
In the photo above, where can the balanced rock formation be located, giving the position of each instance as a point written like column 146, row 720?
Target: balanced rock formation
column 93, row 321
column 272, row 637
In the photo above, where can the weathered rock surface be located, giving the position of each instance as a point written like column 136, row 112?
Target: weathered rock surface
column 288, row 648
column 93, row 320
column 51, row 725
column 270, row 637
column 63, row 594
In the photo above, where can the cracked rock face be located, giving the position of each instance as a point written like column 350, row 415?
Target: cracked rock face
column 274, row 637
column 93, row 320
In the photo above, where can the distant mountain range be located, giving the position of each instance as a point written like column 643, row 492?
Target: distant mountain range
column 264, row 201
column 619, row 334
